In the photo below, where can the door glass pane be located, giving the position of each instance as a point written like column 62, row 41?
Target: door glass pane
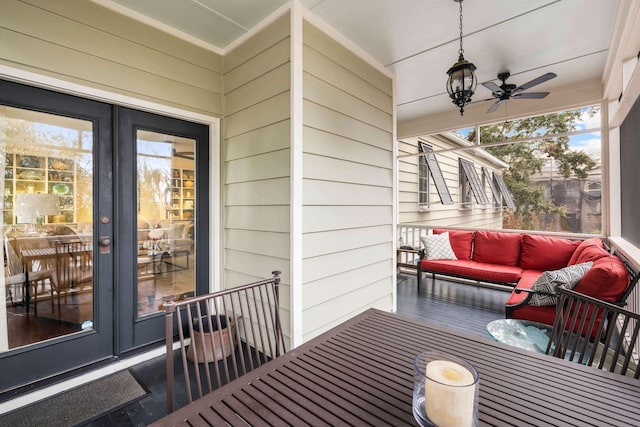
column 166, row 194
column 47, row 288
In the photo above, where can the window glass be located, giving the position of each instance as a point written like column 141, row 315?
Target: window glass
column 552, row 174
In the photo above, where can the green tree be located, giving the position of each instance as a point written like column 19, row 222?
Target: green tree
column 527, row 158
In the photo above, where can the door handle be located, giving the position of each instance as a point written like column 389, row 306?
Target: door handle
column 105, row 244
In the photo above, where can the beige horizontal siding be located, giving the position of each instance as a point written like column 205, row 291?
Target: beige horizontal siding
column 258, row 115
column 323, row 290
column 256, row 150
column 323, row 118
column 266, row 139
column 259, row 89
column 259, row 167
column 264, row 192
column 259, row 43
column 259, row 242
column 332, row 193
column 334, row 241
column 375, row 295
column 322, row 93
column 321, row 67
column 325, row 266
column 347, row 186
column 258, row 264
column 265, row 62
column 81, row 42
column 110, row 22
column 327, row 144
column 326, row 218
column 334, row 169
column 258, row 218
column 320, row 42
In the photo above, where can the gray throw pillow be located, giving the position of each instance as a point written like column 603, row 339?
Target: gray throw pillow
column 546, row 284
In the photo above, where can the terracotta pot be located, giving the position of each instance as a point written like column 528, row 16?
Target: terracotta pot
column 222, row 340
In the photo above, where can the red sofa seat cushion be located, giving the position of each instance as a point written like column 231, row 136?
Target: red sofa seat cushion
column 546, row 253
column 474, row 270
column 606, row 280
column 461, row 241
column 493, row 247
column 593, row 244
column 527, row 279
column 542, row 314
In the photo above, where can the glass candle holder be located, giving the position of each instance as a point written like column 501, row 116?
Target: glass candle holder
column 445, row 390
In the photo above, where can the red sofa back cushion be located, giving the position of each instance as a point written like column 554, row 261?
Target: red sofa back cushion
column 593, row 244
column 546, row 253
column 497, row 248
column 461, row 241
column 607, row 279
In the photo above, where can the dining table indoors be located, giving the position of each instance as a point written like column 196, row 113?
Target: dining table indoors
column 361, row 373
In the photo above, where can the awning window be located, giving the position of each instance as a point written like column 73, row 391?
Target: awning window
column 436, row 173
column 506, row 195
column 476, row 186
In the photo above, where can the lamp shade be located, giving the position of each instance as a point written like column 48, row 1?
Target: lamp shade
column 29, row 207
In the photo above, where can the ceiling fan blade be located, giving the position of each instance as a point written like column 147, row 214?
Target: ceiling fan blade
column 494, row 88
column 531, row 95
column 494, row 107
column 480, row 100
column 543, row 78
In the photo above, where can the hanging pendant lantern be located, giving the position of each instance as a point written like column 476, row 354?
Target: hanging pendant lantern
column 462, row 81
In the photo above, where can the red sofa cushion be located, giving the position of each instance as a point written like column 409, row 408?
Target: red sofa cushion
column 497, row 248
column 527, row 278
column 593, row 242
column 546, row 253
column 473, row 269
column 606, row 280
column 461, row 241
column 542, row 314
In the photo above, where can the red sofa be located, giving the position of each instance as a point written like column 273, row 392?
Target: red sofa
column 517, row 260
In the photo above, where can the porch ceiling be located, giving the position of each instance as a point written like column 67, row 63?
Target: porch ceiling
column 418, row 41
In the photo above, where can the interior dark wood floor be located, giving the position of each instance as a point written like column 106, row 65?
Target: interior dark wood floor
column 461, row 306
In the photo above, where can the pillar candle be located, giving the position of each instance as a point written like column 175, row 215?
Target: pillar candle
column 449, row 394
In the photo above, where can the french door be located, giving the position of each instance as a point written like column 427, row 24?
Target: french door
column 163, row 220
column 56, row 160
column 105, row 218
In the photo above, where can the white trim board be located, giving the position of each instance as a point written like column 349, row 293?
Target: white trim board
column 296, row 172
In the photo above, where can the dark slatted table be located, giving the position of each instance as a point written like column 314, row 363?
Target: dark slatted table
column 360, row 373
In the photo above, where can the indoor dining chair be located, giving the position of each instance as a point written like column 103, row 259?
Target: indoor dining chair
column 17, row 273
column 595, row 332
column 73, row 268
column 222, row 336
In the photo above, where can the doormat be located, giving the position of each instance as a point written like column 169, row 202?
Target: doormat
column 79, row 405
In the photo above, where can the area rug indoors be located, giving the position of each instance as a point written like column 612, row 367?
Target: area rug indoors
column 80, row 404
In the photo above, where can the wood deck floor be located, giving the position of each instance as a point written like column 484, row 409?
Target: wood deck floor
column 461, row 306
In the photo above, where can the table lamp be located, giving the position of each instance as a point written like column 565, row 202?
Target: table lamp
column 32, row 207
